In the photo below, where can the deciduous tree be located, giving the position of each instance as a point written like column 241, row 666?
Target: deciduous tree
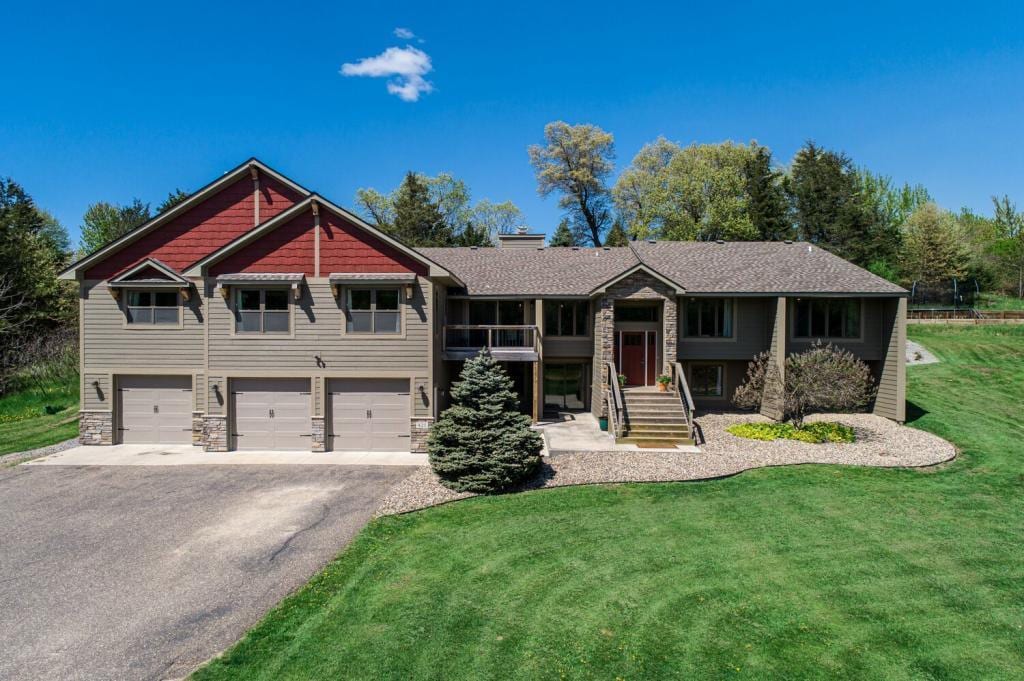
column 932, row 253
column 104, row 222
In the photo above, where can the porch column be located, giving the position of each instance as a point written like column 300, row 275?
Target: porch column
column 775, row 379
column 891, row 400
column 538, row 365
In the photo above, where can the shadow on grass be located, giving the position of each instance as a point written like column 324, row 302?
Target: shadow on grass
column 914, row 412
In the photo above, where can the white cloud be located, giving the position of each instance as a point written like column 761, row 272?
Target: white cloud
column 406, row 67
column 404, row 33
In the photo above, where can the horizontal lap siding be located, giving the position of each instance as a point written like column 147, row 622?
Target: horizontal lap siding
column 568, row 347
column 891, row 399
column 750, row 329
column 323, row 336
column 107, row 344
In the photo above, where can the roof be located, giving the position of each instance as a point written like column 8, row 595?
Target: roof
column 246, row 277
column 160, row 274
column 533, row 271
column 698, row 267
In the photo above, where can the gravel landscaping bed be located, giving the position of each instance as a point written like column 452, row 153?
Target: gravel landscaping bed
column 880, row 442
column 18, row 457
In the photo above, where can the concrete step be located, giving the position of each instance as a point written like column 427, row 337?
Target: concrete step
column 663, row 413
column 651, row 399
column 654, row 420
column 651, row 428
column 655, row 443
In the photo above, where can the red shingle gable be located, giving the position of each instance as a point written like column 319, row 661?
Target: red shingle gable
column 202, row 230
column 290, row 248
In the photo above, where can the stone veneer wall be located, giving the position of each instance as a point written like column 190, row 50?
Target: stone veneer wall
column 319, row 438
column 198, row 429
column 96, row 427
column 637, row 286
column 420, row 428
column 215, row 430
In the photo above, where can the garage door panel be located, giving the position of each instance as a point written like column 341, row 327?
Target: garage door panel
column 272, row 413
column 155, row 409
column 369, row 414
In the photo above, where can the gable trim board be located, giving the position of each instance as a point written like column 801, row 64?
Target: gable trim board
column 78, row 268
column 635, row 269
column 171, row 278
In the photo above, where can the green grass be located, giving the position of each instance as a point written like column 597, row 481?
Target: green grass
column 817, row 432
column 997, row 301
column 25, row 421
column 809, row 572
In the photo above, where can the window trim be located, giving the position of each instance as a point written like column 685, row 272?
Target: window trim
column 236, row 290
column 794, row 335
column 179, row 306
column 709, row 339
column 561, row 301
column 722, row 379
column 344, row 301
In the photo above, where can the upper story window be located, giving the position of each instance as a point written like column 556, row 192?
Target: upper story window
column 566, row 318
column 491, row 312
column 373, row 310
column 148, row 308
column 827, row 318
column 709, row 318
column 262, row 310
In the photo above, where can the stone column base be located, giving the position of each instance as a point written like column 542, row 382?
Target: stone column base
column 319, row 439
column 215, row 431
column 96, row 427
column 420, row 428
column 198, row 430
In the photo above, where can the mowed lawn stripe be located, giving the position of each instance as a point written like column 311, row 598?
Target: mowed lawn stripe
column 799, row 572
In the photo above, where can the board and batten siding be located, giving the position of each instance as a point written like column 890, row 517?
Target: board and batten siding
column 750, row 334
column 110, row 347
column 891, row 401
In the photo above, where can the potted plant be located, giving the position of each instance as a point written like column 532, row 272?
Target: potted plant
column 622, row 380
column 663, row 382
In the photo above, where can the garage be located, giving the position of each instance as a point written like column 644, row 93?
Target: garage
column 271, row 413
column 369, row 414
column 155, row 409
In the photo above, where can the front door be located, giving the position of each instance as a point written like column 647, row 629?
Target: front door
column 633, row 356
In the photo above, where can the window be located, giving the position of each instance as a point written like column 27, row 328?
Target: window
column 635, row 313
column 709, row 318
column 827, row 318
column 373, row 310
column 148, row 308
column 262, row 311
column 566, row 318
column 706, row 380
column 491, row 312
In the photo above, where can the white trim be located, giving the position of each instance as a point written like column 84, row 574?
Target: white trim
column 174, row 278
column 77, row 269
column 640, row 267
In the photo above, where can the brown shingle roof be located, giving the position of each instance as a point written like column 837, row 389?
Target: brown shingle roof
column 742, row 267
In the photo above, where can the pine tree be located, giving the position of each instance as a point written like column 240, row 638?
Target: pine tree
column 766, row 196
column 563, row 236
column 172, row 200
column 616, row 235
column 418, row 221
column 482, row 443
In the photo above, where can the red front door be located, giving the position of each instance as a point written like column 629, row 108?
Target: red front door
column 633, row 356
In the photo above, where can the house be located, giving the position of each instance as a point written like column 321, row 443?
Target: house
column 260, row 315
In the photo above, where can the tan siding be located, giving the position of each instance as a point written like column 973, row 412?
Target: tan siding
column 216, row 385
column 107, row 344
column 891, row 399
column 318, row 332
column 749, row 333
column 772, row 402
column 98, row 390
column 568, row 347
column 199, row 392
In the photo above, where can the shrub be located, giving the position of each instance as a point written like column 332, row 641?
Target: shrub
column 482, row 443
column 817, row 433
column 821, row 378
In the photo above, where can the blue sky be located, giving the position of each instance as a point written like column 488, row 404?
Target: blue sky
column 108, row 101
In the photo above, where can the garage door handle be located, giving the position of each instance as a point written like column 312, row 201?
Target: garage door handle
column 369, row 414
column 156, row 408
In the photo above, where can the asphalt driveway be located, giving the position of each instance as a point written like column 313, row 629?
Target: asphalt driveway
column 140, row 572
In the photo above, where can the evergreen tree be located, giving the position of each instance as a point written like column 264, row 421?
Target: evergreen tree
column 766, row 196
column 104, row 222
column 172, row 200
column 482, row 443
column 418, row 221
column 616, row 235
column 563, row 236
column 473, row 236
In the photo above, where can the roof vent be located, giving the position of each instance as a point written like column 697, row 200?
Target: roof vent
column 719, row 241
column 788, row 241
column 575, row 248
column 652, row 241
column 473, row 248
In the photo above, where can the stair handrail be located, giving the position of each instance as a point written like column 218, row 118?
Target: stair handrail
column 614, row 398
column 683, row 390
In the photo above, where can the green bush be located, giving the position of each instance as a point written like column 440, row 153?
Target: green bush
column 816, row 433
column 482, row 443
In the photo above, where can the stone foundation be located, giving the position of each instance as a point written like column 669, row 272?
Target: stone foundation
column 420, row 428
column 198, row 431
column 319, row 439
column 215, row 431
column 96, row 427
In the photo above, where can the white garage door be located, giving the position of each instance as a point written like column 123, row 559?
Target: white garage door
column 155, row 409
column 369, row 415
column 271, row 413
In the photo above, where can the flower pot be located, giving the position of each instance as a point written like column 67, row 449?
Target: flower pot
column 604, row 423
column 663, row 387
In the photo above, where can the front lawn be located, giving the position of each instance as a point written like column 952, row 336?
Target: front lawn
column 39, row 416
column 797, row 572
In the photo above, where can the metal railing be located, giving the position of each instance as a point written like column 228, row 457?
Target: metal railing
column 683, row 390
column 613, row 396
column 500, row 336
